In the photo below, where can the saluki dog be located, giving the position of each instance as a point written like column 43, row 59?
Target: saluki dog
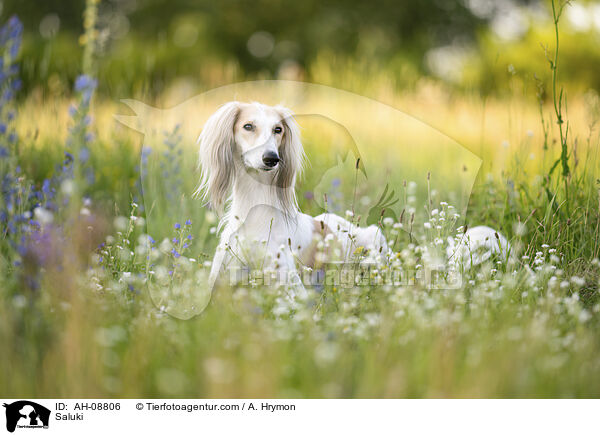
column 250, row 157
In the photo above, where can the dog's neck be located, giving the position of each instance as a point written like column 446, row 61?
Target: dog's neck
column 252, row 189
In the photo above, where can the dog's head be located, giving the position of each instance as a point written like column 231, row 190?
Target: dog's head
column 262, row 140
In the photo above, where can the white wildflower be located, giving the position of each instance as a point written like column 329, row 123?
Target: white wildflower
column 67, row 187
column 121, row 223
column 578, row 281
column 43, row 216
column 520, row 229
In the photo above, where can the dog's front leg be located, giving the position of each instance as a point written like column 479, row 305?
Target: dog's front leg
column 219, row 260
column 290, row 277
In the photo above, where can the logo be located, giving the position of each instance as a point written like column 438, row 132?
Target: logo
column 26, row 414
column 356, row 132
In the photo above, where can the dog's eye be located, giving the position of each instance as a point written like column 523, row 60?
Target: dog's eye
column 277, row 130
column 248, row 127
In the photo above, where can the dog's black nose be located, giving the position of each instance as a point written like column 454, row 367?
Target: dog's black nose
column 270, row 159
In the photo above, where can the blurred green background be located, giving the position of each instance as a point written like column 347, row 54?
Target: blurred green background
column 144, row 46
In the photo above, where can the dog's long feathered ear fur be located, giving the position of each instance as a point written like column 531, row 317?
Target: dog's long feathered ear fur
column 217, row 145
column 292, row 158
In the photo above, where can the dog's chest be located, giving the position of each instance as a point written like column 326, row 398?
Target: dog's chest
column 267, row 229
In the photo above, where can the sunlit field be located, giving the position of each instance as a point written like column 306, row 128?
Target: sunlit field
column 104, row 249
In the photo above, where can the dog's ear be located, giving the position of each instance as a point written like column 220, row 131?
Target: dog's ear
column 217, row 145
column 291, row 153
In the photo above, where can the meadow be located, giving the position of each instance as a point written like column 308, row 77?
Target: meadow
column 104, row 249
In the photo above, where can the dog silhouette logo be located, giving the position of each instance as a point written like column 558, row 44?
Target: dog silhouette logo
column 345, row 136
column 26, row 414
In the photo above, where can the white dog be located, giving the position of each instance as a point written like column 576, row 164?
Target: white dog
column 250, row 156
